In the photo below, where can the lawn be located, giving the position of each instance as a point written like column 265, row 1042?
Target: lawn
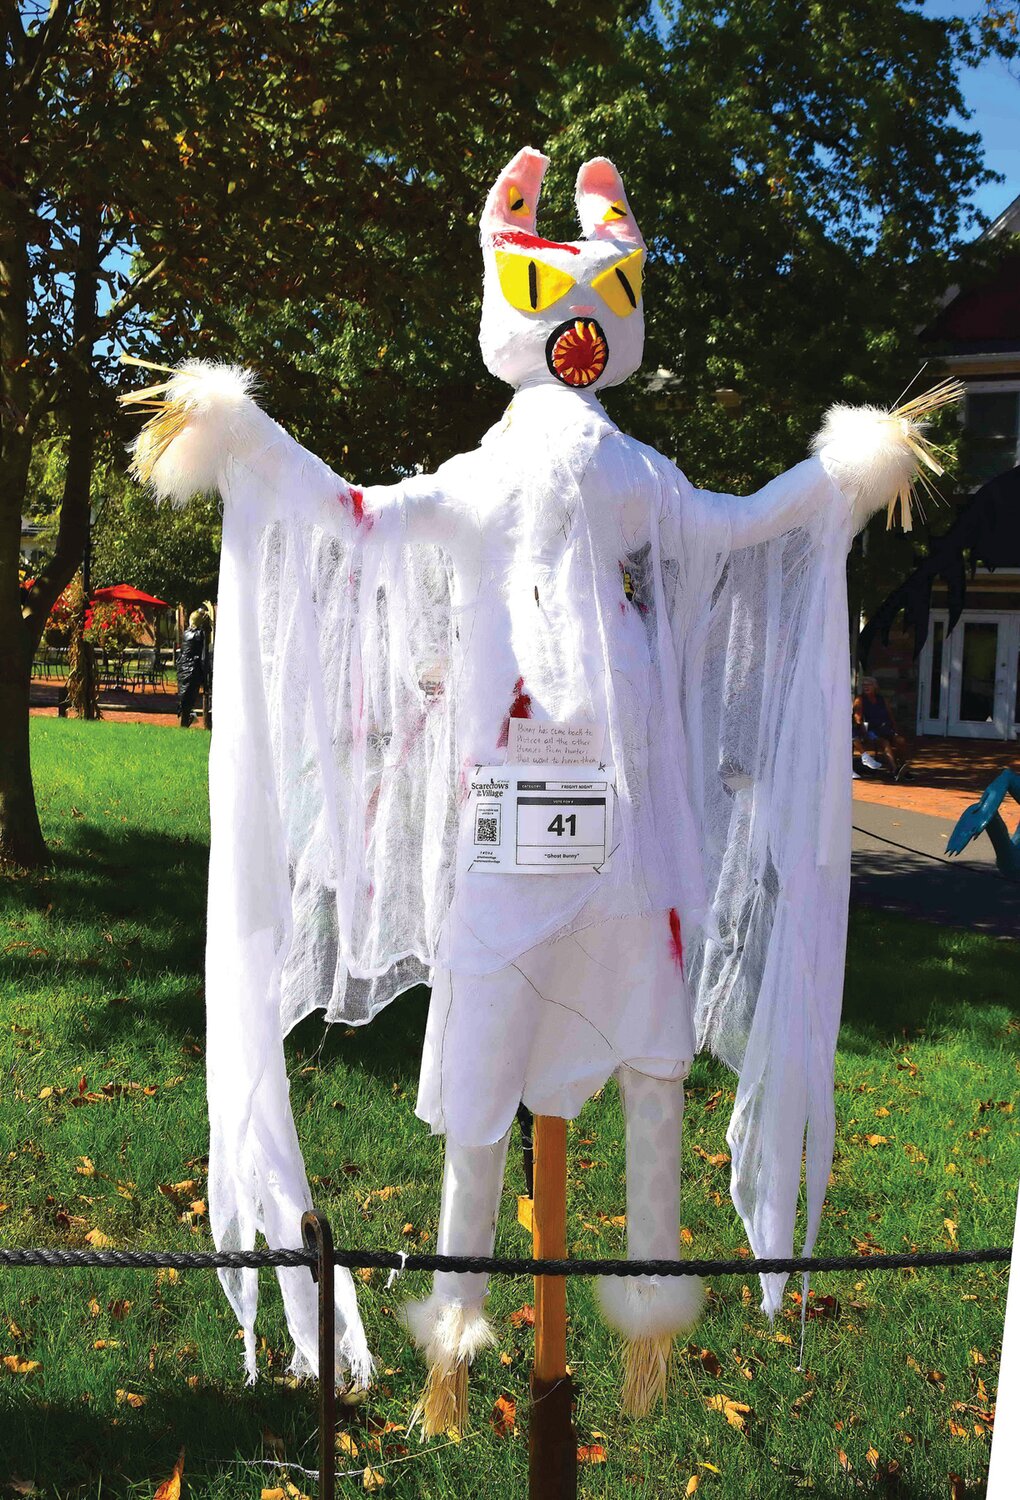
column 106, row 1375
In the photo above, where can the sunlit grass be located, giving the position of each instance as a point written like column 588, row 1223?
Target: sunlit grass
column 101, row 986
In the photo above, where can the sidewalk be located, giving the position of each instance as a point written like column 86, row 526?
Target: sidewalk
column 899, row 864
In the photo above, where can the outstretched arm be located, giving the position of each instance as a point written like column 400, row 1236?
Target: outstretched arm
column 864, row 458
column 210, row 434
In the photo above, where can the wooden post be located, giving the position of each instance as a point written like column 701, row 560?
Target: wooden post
column 552, row 1440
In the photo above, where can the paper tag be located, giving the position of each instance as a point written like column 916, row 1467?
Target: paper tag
column 538, row 820
column 534, row 743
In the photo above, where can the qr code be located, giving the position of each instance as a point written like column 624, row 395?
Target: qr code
column 486, row 825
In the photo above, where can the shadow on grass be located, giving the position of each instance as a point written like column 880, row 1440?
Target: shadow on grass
column 906, row 978
column 66, row 1450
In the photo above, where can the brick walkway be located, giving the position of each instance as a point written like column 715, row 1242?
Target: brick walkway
column 946, row 776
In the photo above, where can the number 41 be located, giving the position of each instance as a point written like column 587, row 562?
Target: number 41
column 558, row 823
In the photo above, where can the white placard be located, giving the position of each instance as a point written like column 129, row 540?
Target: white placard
column 538, row 820
column 534, row 743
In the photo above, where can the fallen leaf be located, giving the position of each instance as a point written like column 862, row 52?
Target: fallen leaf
column 735, row 1412
column 877, row 1140
column 346, row 1444
column 591, row 1453
column 686, row 1237
column 170, row 1489
column 19, row 1365
column 881, row 1113
column 94, row 1307
column 98, row 1240
column 951, row 1229
column 844, row 1462
column 119, row 1309
column 872, row 1457
column 130, row 1398
column 714, row 1158
column 86, row 1167
column 957, row 1430
column 503, row 1417
column 524, row 1317
column 372, row 1479
column 106, row 1344
column 692, row 1484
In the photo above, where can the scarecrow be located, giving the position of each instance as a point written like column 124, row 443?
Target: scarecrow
column 556, row 732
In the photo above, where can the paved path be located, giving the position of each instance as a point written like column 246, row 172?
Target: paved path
column 900, row 864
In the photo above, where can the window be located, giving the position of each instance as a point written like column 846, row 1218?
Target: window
column 991, row 425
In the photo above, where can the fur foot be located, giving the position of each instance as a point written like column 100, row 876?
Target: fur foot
column 449, row 1334
column 649, row 1311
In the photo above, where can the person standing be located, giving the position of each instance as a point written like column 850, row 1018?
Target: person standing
column 193, row 665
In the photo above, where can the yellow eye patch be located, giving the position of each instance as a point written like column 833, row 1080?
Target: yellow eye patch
column 620, row 286
column 515, row 201
column 615, row 211
column 530, row 285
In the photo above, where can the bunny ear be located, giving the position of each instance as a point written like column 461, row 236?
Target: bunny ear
column 513, row 198
column 602, row 204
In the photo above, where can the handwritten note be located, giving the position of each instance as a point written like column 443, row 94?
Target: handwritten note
column 533, row 743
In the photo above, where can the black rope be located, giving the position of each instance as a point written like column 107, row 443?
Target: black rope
column 388, row 1260
column 939, row 859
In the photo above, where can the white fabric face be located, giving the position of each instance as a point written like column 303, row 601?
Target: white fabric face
column 555, row 313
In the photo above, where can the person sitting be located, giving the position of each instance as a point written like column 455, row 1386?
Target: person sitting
column 875, row 731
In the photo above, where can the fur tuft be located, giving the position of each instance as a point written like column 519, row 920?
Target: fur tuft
column 871, row 454
column 207, row 414
column 447, row 1332
column 650, row 1307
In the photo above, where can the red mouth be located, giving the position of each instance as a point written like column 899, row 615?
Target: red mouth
column 577, row 352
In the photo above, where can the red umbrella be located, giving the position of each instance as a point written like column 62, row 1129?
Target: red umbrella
column 125, row 594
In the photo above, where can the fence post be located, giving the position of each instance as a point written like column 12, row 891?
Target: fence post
column 318, row 1237
column 552, row 1442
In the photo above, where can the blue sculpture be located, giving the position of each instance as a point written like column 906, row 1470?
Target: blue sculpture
column 984, row 817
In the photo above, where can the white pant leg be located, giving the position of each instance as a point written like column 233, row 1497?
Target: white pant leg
column 651, row 1306
column 472, row 1185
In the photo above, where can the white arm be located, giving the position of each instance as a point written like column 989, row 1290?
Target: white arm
column 863, row 459
column 211, row 435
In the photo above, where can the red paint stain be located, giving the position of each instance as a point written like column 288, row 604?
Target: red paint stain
column 520, row 708
column 531, row 241
column 676, row 941
column 356, row 500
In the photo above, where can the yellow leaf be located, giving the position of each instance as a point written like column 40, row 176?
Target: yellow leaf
column 276, row 1494
column 951, row 1229
column 346, row 1444
column 170, row 1489
column 98, row 1240
column 94, row 1307
column 86, row 1167
column 686, row 1237
column 711, row 1467
column 735, row 1412
column 692, row 1484
column 881, row 1113
column 45, row 1093
column 372, row 1479
column 106, row 1344
column 877, row 1140
column 591, row 1453
column 872, row 1457
column 20, row 1366
column 130, row 1398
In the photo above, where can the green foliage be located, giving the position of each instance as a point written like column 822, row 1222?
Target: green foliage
column 103, row 1119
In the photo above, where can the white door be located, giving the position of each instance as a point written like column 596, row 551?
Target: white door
column 968, row 678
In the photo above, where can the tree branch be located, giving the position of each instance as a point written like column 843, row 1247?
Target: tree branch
column 47, row 38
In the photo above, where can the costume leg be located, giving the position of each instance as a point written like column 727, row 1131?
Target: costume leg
column 650, row 1310
column 450, row 1326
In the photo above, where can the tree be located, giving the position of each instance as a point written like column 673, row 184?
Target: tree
column 159, row 159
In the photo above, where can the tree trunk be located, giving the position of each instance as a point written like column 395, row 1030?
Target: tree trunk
column 21, row 840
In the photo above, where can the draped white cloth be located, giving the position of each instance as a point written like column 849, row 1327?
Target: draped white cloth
column 371, row 649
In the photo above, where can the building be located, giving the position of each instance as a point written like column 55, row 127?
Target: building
column 966, row 680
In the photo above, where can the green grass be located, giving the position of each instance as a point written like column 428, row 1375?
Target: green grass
column 101, row 989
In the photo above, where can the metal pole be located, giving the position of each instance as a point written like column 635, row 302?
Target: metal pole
column 317, row 1236
column 552, row 1442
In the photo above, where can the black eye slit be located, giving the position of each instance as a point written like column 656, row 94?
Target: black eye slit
column 621, row 213
column 515, row 206
column 533, row 284
column 627, row 287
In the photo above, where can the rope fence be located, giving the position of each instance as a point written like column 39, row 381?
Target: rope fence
column 322, row 1258
column 388, row 1260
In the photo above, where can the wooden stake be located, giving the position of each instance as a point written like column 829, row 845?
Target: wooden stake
column 552, row 1440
